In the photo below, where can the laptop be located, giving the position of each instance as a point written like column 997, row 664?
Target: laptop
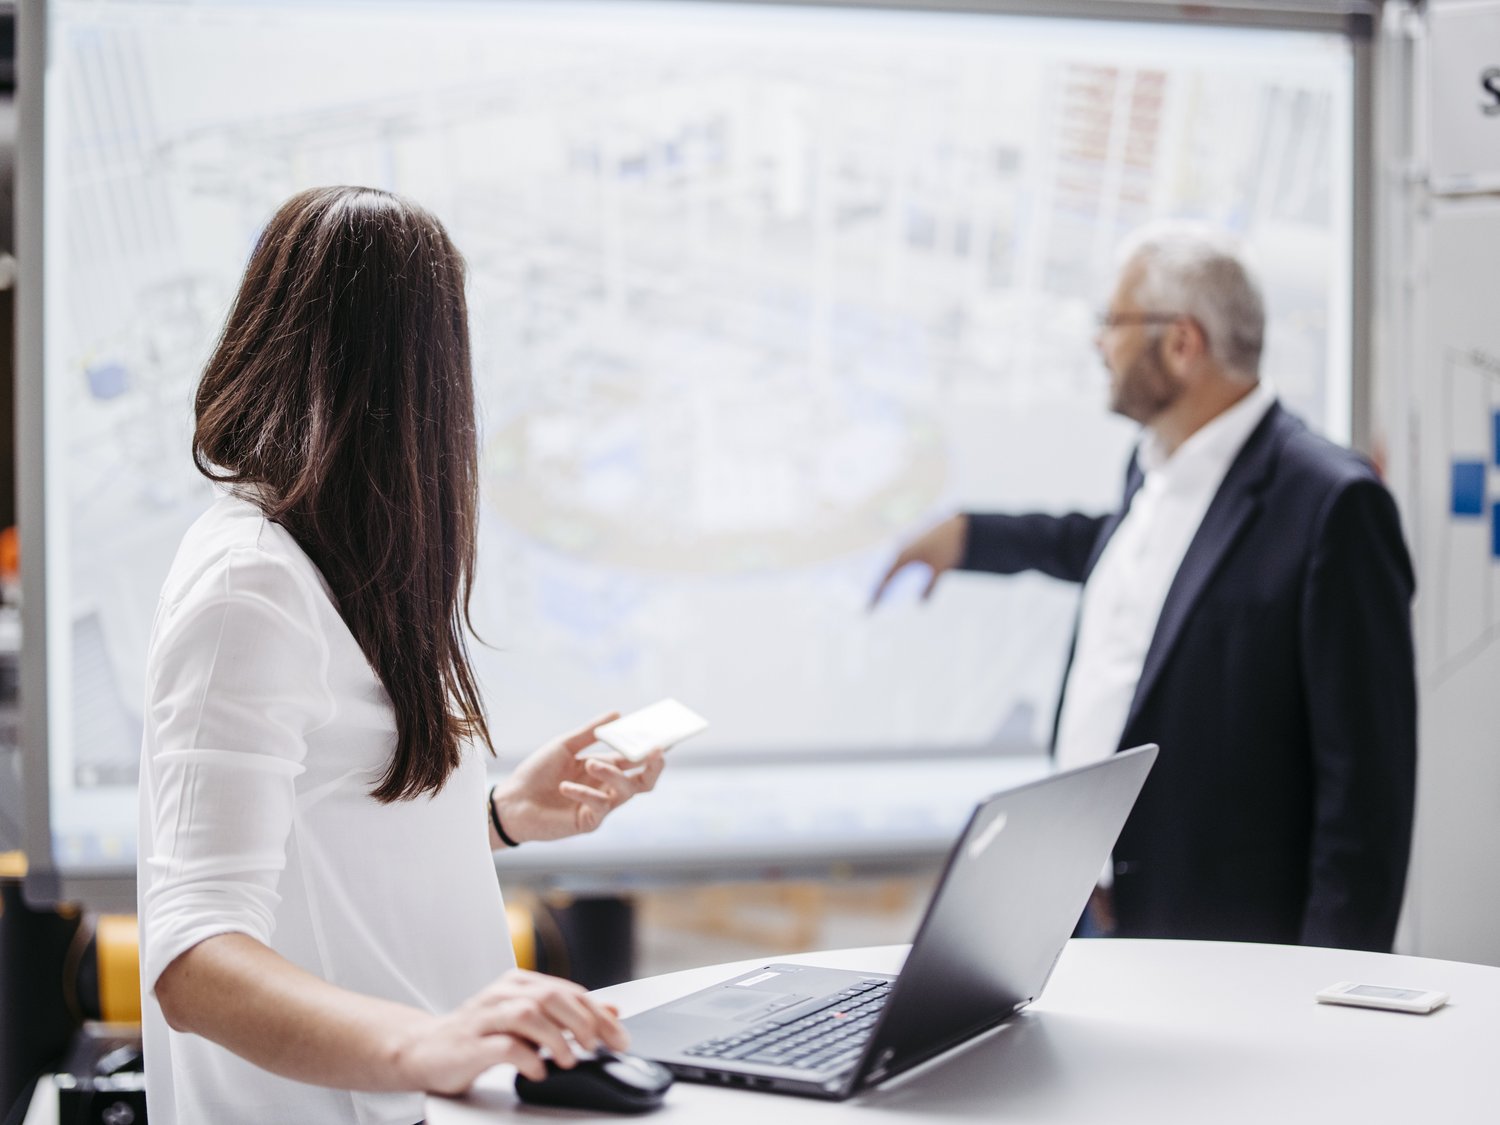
column 1010, row 894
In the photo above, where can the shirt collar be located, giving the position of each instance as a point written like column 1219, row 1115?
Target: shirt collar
column 1213, row 446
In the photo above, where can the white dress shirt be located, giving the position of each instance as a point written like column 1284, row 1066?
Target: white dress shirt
column 265, row 729
column 1124, row 595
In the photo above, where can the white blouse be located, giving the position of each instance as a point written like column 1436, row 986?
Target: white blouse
column 265, row 731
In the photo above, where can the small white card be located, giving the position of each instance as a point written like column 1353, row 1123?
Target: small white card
column 661, row 724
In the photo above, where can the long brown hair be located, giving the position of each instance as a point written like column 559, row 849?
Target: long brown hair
column 341, row 392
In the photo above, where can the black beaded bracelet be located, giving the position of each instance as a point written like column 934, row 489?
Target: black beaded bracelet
column 495, row 820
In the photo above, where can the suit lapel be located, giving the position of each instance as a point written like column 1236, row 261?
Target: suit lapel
column 1228, row 515
column 1133, row 480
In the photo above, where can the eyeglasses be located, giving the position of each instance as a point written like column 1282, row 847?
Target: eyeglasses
column 1107, row 320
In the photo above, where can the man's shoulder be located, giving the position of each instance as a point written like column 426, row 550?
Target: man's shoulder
column 1308, row 461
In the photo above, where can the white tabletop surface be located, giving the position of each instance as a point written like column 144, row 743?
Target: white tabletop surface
column 1142, row 1032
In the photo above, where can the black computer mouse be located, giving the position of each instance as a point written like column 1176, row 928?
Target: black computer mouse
column 610, row 1081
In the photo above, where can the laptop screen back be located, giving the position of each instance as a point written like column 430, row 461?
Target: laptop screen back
column 1013, row 889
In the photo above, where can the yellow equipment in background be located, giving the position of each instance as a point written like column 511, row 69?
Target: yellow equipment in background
column 117, row 942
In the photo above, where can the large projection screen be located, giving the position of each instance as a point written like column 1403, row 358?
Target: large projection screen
column 758, row 291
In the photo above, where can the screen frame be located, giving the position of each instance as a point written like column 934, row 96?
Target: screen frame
column 113, row 888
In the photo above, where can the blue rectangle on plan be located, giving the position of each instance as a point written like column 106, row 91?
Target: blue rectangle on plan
column 1468, row 488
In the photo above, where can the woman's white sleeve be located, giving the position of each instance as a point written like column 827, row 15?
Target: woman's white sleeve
column 238, row 679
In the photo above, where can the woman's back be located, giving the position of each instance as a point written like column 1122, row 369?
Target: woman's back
column 265, row 732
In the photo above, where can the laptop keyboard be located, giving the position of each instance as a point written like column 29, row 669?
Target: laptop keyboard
column 828, row 1037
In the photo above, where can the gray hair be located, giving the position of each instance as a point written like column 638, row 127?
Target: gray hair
column 1197, row 271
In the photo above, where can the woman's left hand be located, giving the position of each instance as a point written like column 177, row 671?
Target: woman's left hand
column 554, row 793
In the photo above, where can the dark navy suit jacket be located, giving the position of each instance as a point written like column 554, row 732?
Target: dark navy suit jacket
column 1280, row 686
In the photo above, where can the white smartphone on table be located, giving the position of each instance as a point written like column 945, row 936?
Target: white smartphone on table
column 663, row 724
column 1360, row 995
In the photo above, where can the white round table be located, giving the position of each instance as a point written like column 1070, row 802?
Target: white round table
column 1149, row 1032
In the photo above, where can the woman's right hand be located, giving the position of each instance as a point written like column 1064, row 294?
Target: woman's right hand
column 511, row 1021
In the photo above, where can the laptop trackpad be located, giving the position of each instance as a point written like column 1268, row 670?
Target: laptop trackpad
column 737, row 1002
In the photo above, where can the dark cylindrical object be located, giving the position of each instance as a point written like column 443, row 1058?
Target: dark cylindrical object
column 599, row 936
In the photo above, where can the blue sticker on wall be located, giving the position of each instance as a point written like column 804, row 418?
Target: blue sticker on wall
column 1495, row 529
column 1468, row 488
column 1497, row 438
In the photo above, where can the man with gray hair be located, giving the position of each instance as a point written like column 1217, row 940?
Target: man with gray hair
column 1248, row 608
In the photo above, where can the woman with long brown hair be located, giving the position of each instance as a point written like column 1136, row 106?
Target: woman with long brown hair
column 322, row 935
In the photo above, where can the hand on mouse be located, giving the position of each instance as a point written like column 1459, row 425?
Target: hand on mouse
column 511, row 1021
